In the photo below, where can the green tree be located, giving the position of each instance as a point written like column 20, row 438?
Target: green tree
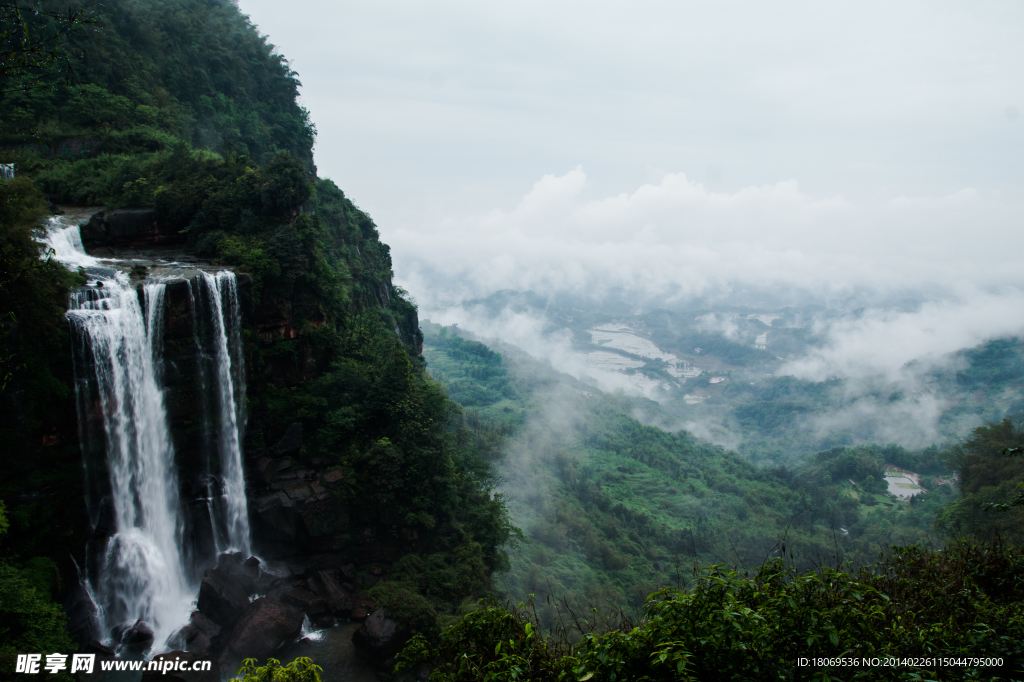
column 990, row 503
column 29, row 621
column 35, row 45
column 299, row 670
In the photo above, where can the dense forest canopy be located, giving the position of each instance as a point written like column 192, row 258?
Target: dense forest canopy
column 156, row 72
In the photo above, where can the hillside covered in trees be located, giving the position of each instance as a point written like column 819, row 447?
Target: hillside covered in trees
column 622, row 522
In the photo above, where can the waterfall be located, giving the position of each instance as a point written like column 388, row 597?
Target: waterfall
column 66, row 243
column 142, row 566
column 230, row 388
column 141, row 573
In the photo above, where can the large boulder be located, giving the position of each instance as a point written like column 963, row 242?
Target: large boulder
column 266, row 628
column 245, row 571
column 131, row 223
column 200, row 636
column 221, row 598
column 137, row 638
column 306, row 601
column 274, row 517
column 379, row 638
column 338, row 600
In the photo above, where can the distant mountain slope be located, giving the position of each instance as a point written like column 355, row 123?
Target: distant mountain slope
column 613, row 508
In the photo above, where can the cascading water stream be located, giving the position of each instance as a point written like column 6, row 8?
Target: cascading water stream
column 230, row 382
column 141, row 575
column 141, row 571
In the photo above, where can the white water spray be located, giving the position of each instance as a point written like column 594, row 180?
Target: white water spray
column 66, row 242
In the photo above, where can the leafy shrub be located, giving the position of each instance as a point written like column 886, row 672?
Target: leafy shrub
column 300, row 670
column 965, row 601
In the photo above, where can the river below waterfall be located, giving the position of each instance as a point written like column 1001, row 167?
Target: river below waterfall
column 332, row 650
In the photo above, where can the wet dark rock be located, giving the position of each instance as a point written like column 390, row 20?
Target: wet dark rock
column 133, row 227
column 297, row 490
column 265, row 628
column 100, row 649
column 192, row 639
column 310, row 603
column 94, row 231
column 245, row 573
column 379, row 638
column 333, row 476
column 221, row 597
column 130, row 223
column 83, row 617
column 138, row 637
column 204, row 625
column 181, row 636
column 268, row 582
column 338, row 600
column 273, row 517
column 106, row 522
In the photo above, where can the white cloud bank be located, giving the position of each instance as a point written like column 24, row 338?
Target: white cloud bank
column 677, row 239
column 882, row 341
column 963, row 254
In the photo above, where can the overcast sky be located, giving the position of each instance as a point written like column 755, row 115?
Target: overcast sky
column 672, row 145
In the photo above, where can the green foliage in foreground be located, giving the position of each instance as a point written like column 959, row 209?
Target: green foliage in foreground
column 299, row 670
column 966, row 601
column 30, row 622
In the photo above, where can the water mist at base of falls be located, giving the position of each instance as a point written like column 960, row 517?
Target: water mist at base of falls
column 141, row 560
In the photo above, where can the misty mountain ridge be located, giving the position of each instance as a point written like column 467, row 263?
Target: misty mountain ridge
column 751, row 378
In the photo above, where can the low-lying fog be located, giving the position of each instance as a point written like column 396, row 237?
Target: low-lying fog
column 878, row 296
